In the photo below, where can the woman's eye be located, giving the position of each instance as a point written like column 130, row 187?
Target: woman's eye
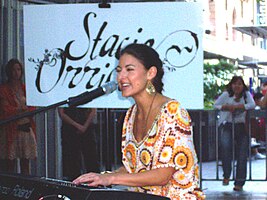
column 118, row 69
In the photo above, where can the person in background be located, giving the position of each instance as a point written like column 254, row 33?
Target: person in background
column 262, row 103
column 158, row 151
column 233, row 104
column 258, row 98
column 264, row 88
column 257, row 129
column 18, row 138
column 79, row 146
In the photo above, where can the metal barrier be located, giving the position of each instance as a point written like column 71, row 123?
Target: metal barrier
column 205, row 126
column 109, row 126
column 205, row 130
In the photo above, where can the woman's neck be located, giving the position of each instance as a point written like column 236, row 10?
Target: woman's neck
column 144, row 102
column 15, row 84
column 238, row 95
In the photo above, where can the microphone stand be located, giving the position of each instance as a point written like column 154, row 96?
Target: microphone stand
column 30, row 113
column 72, row 101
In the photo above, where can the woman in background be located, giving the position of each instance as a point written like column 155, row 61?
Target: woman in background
column 18, row 138
column 79, row 146
column 233, row 104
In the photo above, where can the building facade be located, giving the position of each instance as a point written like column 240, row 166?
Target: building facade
column 236, row 31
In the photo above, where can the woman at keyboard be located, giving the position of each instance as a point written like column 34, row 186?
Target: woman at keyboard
column 157, row 144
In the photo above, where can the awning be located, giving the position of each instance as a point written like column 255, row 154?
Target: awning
column 256, row 31
column 253, row 64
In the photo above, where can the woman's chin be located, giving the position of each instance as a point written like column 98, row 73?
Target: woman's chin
column 124, row 94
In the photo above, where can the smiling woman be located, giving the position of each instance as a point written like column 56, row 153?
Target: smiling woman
column 20, row 137
column 233, row 105
column 158, row 153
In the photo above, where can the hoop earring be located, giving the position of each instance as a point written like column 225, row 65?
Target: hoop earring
column 150, row 88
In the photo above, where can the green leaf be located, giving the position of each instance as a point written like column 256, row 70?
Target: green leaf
column 214, row 74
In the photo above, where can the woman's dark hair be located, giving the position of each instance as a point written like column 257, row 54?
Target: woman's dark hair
column 9, row 67
column 148, row 57
column 234, row 80
column 257, row 96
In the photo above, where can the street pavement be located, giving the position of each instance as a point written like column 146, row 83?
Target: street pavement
column 255, row 188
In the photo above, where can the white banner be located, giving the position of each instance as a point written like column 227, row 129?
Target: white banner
column 73, row 48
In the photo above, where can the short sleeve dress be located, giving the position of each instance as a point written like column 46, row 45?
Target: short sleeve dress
column 168, row 143
column 15, row 143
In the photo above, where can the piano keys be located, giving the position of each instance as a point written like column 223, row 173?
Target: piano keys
column 15, row 187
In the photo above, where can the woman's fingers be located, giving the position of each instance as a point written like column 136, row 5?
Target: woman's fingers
column 91, row 179
column 83, row 179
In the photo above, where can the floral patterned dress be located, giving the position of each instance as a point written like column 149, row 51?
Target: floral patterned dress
column 168, row 143
column 15, row 143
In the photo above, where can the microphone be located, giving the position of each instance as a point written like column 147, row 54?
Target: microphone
column 89, row 96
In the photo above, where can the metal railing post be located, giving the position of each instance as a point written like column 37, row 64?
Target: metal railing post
column 200, row 147
column 217, row 145
column 233, row 145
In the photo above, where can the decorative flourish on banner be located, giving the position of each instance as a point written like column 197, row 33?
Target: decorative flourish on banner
column 180, row 48
column 51, row 59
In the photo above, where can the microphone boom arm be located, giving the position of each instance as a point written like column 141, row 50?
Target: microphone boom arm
column 84, row 97
column 72, row 101
column 89, row 96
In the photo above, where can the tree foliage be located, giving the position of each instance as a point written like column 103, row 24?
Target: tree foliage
column 216, row 76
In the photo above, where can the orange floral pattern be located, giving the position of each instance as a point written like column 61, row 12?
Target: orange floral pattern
column 145, row 157
column 183, row 158
column 130, row 155
column 168, row 143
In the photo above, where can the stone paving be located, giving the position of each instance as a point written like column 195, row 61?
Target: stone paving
column 255, row 188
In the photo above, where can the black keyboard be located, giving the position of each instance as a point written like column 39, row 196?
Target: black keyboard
column 14, row 187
